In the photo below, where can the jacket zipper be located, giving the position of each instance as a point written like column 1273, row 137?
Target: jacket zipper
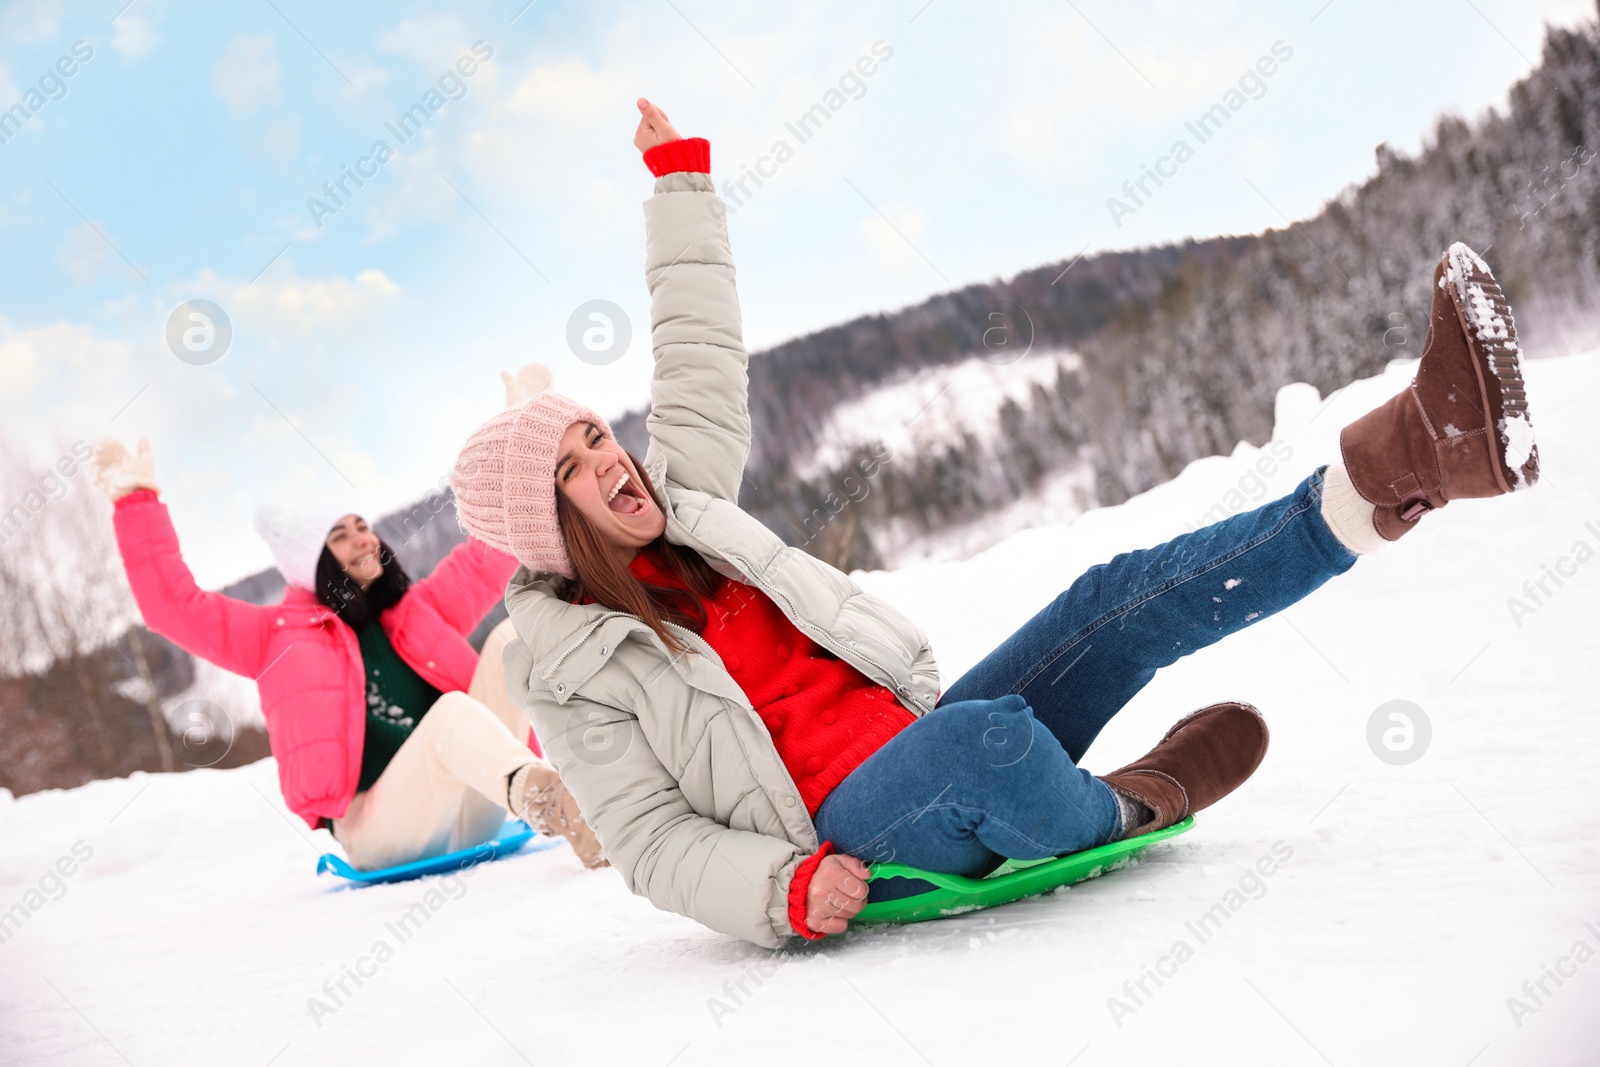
column 704, row 644
column 548, row 671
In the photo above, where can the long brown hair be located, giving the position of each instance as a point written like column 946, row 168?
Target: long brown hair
column 608, row 581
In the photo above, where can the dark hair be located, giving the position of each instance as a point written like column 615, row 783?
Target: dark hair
column 357, row 606
column 608, row 581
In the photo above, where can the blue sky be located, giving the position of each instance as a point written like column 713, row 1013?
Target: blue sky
column 176, row 163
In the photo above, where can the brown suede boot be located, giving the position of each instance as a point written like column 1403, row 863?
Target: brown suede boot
column 1461, row 430
column 538, row 798
column 1203, row 758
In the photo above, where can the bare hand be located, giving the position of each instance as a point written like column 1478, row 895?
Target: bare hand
column 838, row 890
column 654, row 128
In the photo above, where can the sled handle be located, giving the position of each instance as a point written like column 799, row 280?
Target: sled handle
column 902, row 870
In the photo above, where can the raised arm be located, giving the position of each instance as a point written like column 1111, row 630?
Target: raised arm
column 469, row 581
column 228, row 632
column 699, row 420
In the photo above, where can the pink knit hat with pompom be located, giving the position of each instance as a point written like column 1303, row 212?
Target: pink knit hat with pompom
column 505, row 481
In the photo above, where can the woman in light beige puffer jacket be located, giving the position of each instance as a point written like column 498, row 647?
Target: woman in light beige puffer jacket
column 712, row 696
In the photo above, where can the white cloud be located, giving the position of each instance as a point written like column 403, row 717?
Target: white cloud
column 8, row 88
column 412, row 190
column 567, row 93
column 365, row 73
column 246, row 77
column 282, row 303
column 27, row 355
column 134, row 33
column 895, row 244
column 279, row 140
column 85, row 254
column 19, row 362
column 560, row 131
column 301, row 368
column 1083, row 93
column 430, row 42
column 1259, row 156
column 1031, row 133
column 30, row 21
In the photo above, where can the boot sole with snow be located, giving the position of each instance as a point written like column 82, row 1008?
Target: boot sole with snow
column 1485, row 319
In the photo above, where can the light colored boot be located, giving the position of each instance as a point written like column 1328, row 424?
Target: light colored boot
column 536, row 796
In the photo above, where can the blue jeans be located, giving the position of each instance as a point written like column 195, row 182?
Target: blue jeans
column 991, row 773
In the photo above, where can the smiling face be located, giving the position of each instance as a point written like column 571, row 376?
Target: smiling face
column 598, row 478
column 355, row 547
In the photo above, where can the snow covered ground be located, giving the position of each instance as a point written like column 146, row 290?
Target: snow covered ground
column 1406, row 905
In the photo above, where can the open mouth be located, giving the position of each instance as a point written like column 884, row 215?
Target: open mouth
column 626, row 498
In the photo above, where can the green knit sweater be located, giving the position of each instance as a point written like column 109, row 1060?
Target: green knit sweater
column 397, row 699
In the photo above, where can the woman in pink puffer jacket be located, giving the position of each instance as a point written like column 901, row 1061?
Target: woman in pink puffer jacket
column 386, row 725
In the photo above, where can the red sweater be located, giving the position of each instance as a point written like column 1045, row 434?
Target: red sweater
column 825, row 717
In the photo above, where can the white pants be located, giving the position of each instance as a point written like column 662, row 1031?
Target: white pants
column 445, row 789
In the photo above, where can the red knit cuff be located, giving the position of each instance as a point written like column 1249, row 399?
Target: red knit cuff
column 135, row 496
column 797, row 892
column 670, row 157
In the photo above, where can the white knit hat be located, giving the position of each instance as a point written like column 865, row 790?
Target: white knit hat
column 296, row 533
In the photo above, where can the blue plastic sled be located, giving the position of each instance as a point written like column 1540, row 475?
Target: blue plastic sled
column 514, row 837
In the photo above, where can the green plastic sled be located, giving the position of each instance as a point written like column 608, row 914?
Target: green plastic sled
column 1013, row 880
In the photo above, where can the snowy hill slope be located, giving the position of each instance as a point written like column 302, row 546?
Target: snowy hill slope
column 950, row 401
column 1405, row 905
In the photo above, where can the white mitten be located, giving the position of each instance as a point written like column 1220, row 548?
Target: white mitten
column 526, row 384
column 118, row 472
